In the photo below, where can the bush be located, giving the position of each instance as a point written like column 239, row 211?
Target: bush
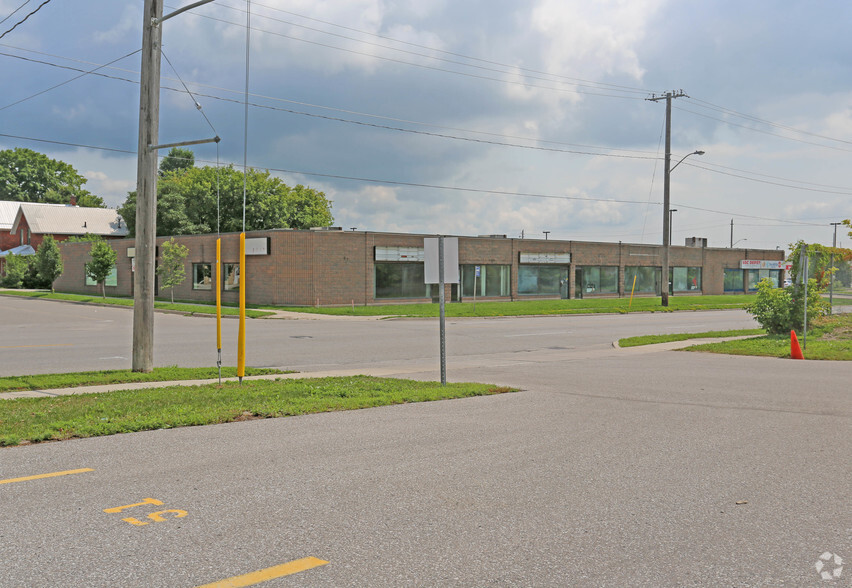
column 16, row 270
column 780, row 311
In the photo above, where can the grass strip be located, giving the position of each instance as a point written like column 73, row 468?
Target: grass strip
column 188, row 308
column 830, row 339
column 538, row 307
column 652, row 339
column 32, row 420
column 99, row 378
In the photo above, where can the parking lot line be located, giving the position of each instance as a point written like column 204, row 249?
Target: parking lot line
column 51, row 475
column 252, row 578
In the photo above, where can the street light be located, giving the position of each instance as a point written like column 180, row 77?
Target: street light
column 666, row 216
column 545, row 234
column 737, row 241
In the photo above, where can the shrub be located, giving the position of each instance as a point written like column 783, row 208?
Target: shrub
column 780, row 311
column 17, row 267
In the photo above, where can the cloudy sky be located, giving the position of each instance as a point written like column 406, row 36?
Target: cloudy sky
column 469, row 117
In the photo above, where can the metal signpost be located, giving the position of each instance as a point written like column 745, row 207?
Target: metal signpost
column 441, row 266
column 475, row 275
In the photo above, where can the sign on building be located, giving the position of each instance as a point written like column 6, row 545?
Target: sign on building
column 563, row 258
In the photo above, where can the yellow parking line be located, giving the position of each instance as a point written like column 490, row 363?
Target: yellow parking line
column 53, row 475
column 252, row 578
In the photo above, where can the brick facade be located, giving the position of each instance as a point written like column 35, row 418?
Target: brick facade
column 337, row 268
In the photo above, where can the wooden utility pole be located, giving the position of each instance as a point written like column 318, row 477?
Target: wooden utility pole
column 666, row 182
column 146, row 182
column 146, row 189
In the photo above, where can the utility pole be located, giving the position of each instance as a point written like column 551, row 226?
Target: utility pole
column 146, row 182
column 146, row 189
column 732, row 233
column 666, row 185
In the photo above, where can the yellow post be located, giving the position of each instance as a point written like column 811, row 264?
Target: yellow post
column 218, row 287
column 241, row 336
column 631, row 293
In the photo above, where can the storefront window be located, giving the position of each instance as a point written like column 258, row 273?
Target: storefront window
column 232, row 276
column 493, row 280
column 541, row 279
column 755, row 276
column 111, row 279
column 400, row 280
column 647, row 279
column 599, row 279
column 686, row 279
column 733, row 280
column 201, row 276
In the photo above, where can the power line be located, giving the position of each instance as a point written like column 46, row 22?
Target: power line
column 843, row 192
column 763, row 132
column 437, row 50
column 14, row 11
column 22, row 21
column 512, row 69
column 69, row 81
column 724, row 110
column 420, row 65
column 284, row 100
column 194, row 101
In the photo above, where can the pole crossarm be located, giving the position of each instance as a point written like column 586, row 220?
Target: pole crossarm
column 215, row 139
column 156, row 21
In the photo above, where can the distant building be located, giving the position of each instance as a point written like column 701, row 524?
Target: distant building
column 337, row 268
column 23, row 225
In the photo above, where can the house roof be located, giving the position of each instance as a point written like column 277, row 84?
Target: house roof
column 70, row 220
column 9, row 209
column 19, row 250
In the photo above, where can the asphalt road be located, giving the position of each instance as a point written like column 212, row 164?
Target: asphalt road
column 610, row 468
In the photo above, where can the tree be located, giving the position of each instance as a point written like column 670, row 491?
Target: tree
column 187, row 203
column 103, row 260
column 171, row 268
column 16, row 270
column 29, row 176
column 177, row 160
column 48, row 260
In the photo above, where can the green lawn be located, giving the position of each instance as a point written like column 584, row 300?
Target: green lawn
column 652, row 339
column 830, row 339
column 538, row 307
column 77, row 379
column 186, row 307
column 31, row 420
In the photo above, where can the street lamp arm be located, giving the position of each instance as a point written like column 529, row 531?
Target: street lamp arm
column 697, row 152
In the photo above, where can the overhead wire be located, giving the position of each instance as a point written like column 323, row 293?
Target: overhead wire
column 11, row 14
column 22, row 21
column 445, row 52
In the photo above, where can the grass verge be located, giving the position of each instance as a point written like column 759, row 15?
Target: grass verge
column 830, row 339
column 193, row 308
column 538, row 307
column 652, row 339
column 32, row 420
column 77, row 379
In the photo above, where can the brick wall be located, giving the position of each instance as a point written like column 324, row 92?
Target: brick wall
column 336, row 268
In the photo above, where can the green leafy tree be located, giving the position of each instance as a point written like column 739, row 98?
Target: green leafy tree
column 171, row 268
column 48, row 260
column 819, row 262
column 103, row 260
column 177, row 160
column 16, row 269
column 187, row 203
column 29, row 176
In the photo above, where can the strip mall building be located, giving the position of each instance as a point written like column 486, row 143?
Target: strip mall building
column 331, row 267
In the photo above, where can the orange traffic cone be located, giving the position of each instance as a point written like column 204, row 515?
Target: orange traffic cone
column 795, row 350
